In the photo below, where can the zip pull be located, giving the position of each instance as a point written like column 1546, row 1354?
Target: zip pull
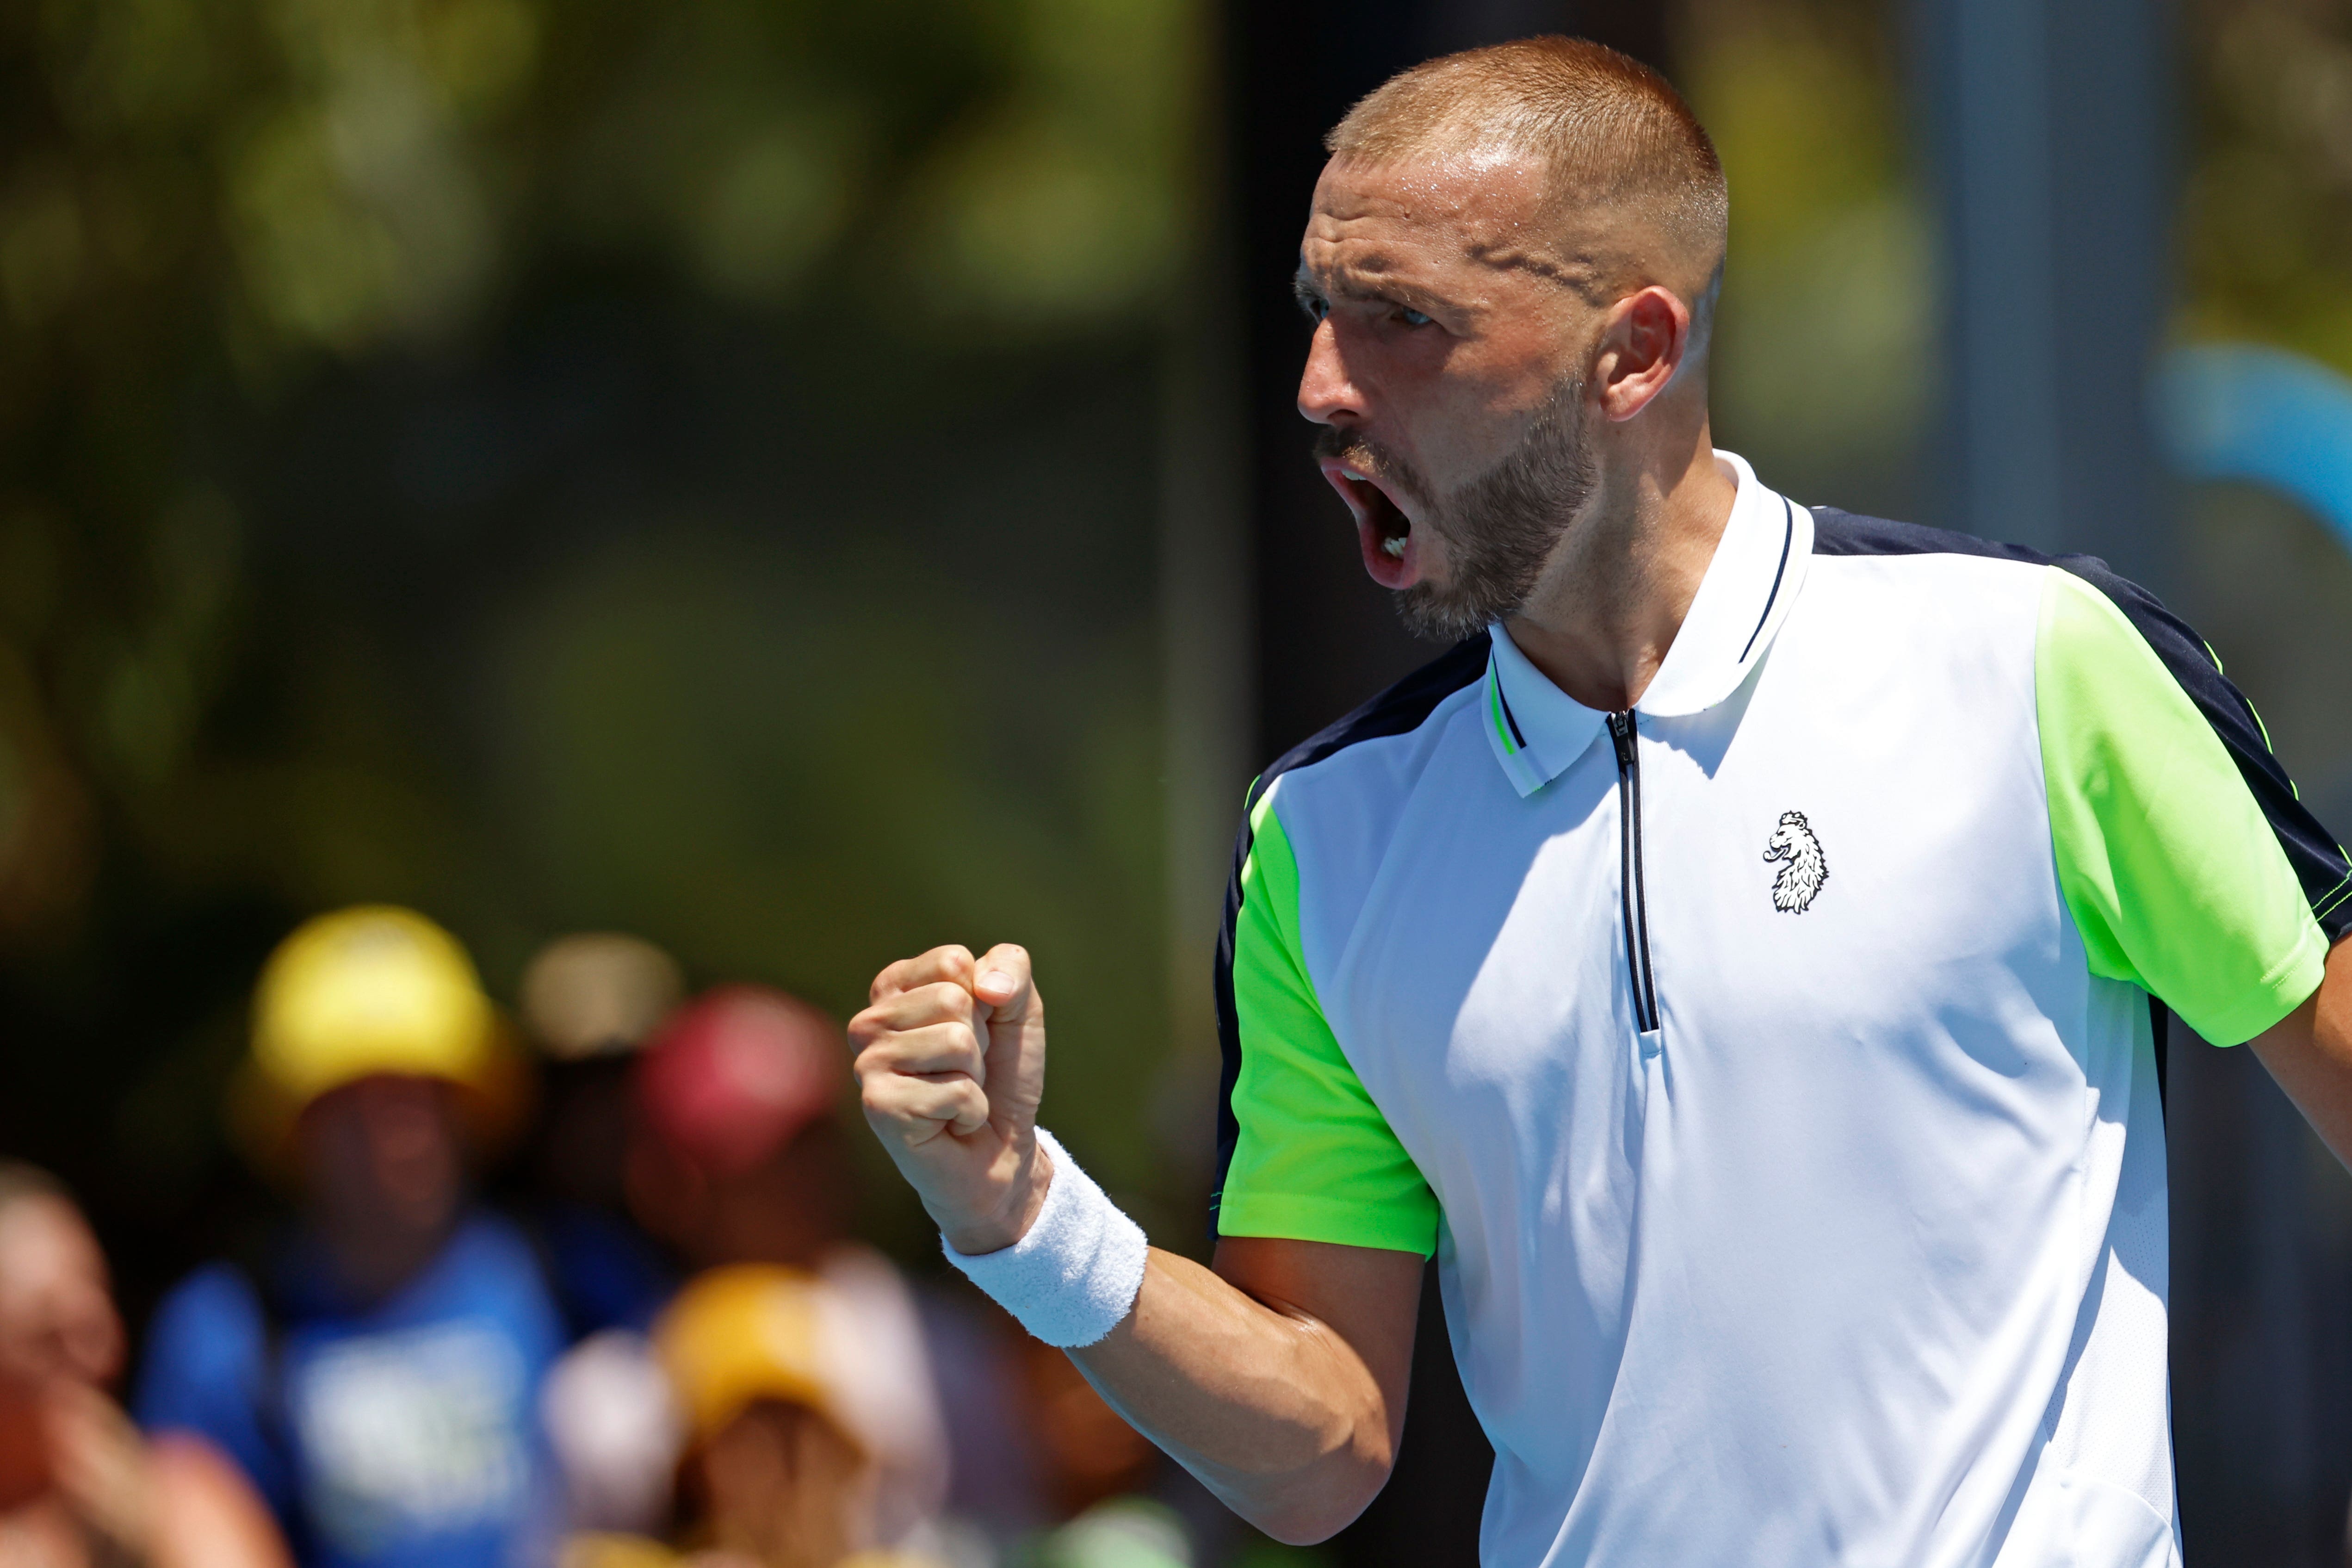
column 1621, row 732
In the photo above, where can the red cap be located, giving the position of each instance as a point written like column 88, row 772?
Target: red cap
column 733, row 1074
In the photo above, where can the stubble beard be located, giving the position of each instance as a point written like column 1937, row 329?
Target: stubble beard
column 1502, row 528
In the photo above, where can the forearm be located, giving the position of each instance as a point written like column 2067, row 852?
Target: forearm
column 1279, row 1379
column 2309, row 1052
column 1273, row 1410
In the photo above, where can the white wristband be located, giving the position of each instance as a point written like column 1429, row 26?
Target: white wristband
column 1077, row 1273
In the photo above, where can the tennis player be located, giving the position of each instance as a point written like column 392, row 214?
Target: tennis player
column 1734, row 959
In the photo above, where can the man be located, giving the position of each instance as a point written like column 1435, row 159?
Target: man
column 379, row 1379
column 589, row 1002
column 1733, row 960
column 78, row 1488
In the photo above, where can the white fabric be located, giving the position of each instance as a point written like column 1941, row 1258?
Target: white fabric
column 1077, row 1272
column 616, row 1430
column 1860, row 1257
column 877, row 1369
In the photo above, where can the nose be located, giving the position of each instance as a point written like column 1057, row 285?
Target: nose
column 1327, row 394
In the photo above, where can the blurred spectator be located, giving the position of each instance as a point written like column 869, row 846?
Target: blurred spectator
column 737, row 1157
column 774, row 1369
column 379, row 1376
column 588, row 1003
column 1124, row 1505
column 79, row 1487
column 1091, row 1455
column 617, row 1431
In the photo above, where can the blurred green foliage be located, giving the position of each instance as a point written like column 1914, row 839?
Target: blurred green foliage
column 2266, row 219
column 2265, row 254
column 1826, row 354
column 680, row 465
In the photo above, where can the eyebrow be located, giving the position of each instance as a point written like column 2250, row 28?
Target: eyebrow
column 1353, row 283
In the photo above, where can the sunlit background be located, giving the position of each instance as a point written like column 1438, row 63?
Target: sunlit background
column 792, row 480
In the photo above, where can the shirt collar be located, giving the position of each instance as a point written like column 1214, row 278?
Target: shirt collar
column 1536, row 729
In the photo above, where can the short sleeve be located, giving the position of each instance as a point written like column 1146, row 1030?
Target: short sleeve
column 2175, row 853
column 1307, row 1155
column 207, row 1371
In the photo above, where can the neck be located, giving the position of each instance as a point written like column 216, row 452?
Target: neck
column 373, row 1260
column 1615, row 592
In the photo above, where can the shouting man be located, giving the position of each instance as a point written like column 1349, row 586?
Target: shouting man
column 1733, row 960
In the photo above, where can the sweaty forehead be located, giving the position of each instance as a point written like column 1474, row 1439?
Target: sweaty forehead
column 1482, row 210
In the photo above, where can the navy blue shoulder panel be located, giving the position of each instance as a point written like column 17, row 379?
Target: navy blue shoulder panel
column 1398, row 711
column 2318, row 860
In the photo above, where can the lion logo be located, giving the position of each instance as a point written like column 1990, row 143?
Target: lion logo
column 1803, row 870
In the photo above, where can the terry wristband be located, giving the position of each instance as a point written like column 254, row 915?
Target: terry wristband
column 1077, row 1273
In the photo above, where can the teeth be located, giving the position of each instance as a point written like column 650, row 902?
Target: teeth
column 1359, row 478
column 1394, row 546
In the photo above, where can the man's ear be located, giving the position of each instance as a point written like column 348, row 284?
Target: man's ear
column 1643, row 344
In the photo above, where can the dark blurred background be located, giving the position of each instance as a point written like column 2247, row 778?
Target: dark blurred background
column 805, row 482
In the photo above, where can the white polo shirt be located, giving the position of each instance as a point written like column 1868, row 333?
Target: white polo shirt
column 1770, row 1068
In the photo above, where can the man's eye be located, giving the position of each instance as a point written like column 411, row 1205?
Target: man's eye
column 1315, row 305
column 1411, row 318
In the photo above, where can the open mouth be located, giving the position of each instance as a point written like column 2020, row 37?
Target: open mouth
column 1383, row 532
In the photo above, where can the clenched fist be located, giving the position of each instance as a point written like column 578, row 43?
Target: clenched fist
column 950, row 1065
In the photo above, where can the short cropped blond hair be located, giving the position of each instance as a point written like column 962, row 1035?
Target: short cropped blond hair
column 1609, row 131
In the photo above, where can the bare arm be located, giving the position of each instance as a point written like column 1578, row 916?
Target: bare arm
column 1278, row 1378
column 2309, row 1052
column 207, row 1513
column 172, row 1502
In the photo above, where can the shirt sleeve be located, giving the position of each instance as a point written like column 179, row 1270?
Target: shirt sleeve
column 1306, row 1154
column 207, row 1371
column 2189, row 866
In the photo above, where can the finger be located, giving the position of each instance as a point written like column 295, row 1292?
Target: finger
column 1003, row 981
column 951, row 964
column 934, row 1048
column 943, row 1002
column 919, row 1109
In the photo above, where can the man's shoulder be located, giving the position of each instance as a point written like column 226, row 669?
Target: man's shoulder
column 1400, row 709
column 1837, row 532
column 1856, row 537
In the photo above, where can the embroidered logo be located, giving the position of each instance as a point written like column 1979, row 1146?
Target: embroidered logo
column 1802, row 871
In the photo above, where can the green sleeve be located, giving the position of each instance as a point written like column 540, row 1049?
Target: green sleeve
column 1315, row 1159
column 2172, row 872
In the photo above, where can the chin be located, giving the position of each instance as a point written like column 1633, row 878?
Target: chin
column 1430, row 611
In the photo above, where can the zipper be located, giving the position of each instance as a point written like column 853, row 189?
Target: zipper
column 1636, row 906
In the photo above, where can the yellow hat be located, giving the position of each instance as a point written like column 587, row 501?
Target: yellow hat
column 369, row 990
column 744, row 1332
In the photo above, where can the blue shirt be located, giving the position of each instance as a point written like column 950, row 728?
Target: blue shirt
column 396, row 1434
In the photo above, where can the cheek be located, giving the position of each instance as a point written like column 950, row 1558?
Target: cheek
column 94, row 1338
column 1467, row 431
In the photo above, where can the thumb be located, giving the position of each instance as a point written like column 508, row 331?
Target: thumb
column 1005, row 985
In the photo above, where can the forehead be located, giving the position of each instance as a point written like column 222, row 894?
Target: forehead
column 1441, row 211
column 41, row 1236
